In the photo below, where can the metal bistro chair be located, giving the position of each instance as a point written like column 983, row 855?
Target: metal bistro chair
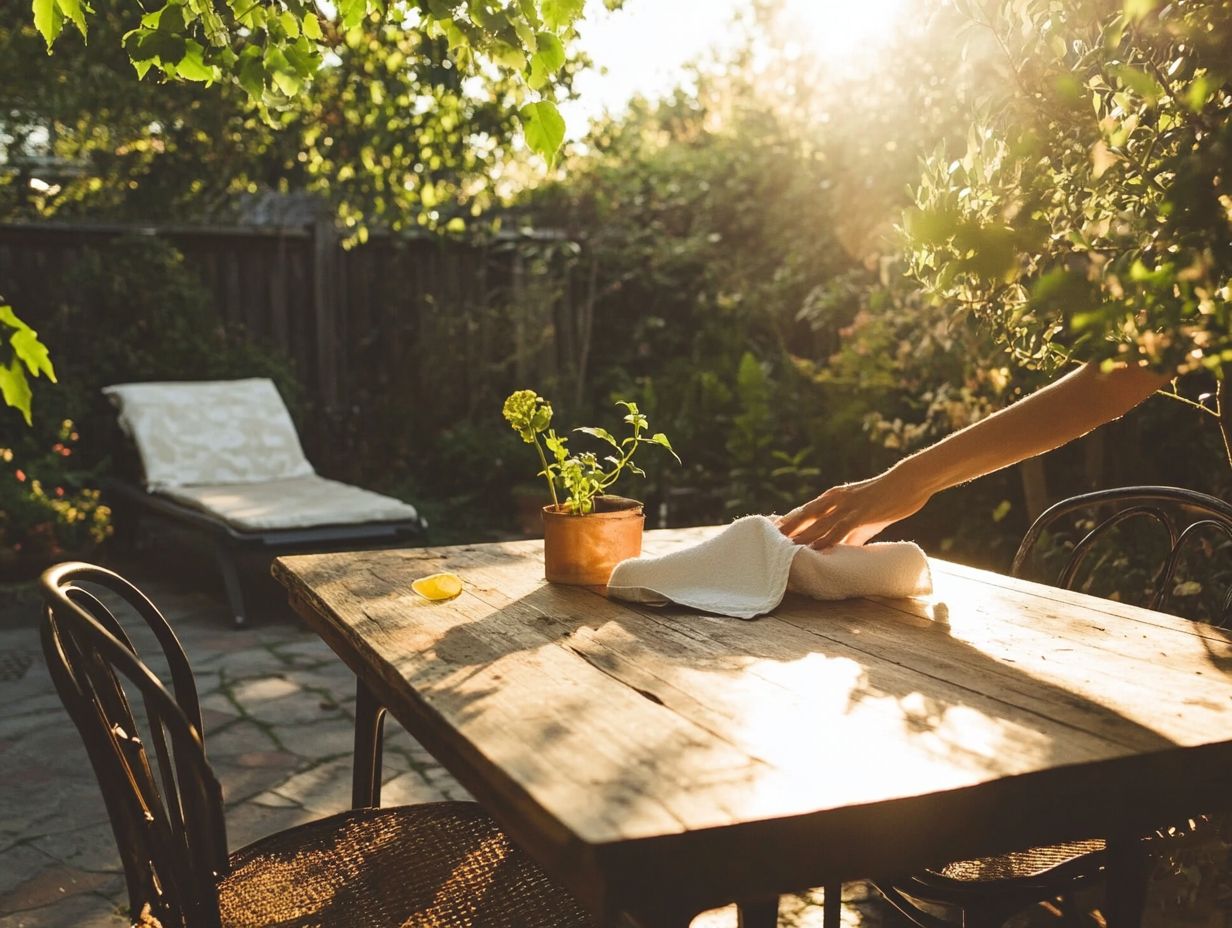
column 441, row 864
column 1079, row 548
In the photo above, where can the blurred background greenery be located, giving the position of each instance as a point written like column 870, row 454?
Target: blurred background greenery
column 732, row 255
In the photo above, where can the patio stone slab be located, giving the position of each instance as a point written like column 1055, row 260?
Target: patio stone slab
column 91, row 847
column 51, row 885
column 19, row 863
column 86, row 910
column 239, row 737
column 263, row 690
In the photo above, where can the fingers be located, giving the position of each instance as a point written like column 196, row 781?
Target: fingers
column 838, row 533
column 802, row 517
column 830, row 525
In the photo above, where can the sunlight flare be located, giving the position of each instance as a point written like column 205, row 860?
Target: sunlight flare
column 847, row 35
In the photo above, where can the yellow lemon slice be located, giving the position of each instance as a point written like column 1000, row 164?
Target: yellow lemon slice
column 438, row 586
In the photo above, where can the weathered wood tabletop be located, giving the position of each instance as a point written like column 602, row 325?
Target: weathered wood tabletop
column 661, row 761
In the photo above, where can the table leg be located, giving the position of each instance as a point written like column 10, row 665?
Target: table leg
column 832, row 915
column 369, row 736
column 1125, row 883
column 762, row 913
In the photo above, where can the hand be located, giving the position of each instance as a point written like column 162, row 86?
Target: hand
column 853, row 513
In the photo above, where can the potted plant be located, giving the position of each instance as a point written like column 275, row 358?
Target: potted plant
column 588, row 533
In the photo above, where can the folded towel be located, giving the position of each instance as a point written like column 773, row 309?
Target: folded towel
column 745, row 570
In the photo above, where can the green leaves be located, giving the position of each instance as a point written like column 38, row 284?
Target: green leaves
column 660, row 439
column 49, row 17
column 273, row 50
column 1091, row 231
column 352, row 12
column 582, row 475
column 602, row 434
column 192, row 66
column 16, row 389
column 28, row 354
column 311, row 27
column 543, row 128
column 548, row 58
column 48, row 20
column 560, row 14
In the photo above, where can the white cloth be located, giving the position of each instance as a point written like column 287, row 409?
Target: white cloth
column 745, row 570
column 296, row 502
column 209, row 432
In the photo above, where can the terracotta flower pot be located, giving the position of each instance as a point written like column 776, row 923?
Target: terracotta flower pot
column 584, row 549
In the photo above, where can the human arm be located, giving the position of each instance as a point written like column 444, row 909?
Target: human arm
column 1047, row 419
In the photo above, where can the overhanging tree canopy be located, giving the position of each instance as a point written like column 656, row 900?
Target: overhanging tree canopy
column 1090, row 216
column 273, row 48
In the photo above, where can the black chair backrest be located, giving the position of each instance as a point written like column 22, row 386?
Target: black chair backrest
column 165, row 810
column 1084, row 543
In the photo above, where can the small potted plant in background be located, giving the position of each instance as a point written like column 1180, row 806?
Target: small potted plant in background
column 589, row 532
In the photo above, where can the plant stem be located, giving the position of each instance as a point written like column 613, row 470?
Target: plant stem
column 547, row 473
column 1223, row 407
column 609, row 479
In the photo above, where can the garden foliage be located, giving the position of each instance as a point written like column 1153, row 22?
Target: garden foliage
column 272, row 51
column 1087, row 215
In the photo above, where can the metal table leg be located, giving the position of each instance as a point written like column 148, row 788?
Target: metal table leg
column 369, row 736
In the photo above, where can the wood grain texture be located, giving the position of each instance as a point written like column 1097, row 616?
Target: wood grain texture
column 648, row 756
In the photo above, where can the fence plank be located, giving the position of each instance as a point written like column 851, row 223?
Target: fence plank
column 399, row 323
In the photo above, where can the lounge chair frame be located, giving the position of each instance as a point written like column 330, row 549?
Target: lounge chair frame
column 227, row 541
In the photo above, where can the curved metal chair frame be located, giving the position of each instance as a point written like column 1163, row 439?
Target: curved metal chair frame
column 416, row 864
column 168, row 825
column 1187, row 516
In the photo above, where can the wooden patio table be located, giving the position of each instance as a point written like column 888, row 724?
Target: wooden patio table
column 659, row 762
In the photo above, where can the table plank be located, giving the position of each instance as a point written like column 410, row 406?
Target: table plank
column 610, row 737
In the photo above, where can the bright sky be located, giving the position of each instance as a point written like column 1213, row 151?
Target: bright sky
column 643, row 47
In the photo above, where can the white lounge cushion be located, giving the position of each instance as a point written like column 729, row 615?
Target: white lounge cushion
column 293, row 502
column 210, row 432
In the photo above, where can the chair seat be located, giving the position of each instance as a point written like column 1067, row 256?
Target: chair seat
column 292, row 502
column 437, row 865
column 1020, row 864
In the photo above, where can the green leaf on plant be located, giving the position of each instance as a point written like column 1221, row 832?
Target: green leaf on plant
column 558, row 14
column 74, row 11
column 290, row 23
column 352, row 12
column 33, row 353
column 160, row 47
column 1140, row 82
column 48, row 20
column 312, row 27
column 26, row 345
column 1199, row 90
column 549, row 57
column 16, row 389
column 543, row 128
column 192, row 66
column 508, row 56
column 599, row 433
column 252, row 73
column 660, row 439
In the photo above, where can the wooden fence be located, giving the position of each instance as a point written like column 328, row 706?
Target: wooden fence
column 398, row 323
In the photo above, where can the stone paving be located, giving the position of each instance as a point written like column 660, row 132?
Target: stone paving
column 278, row 709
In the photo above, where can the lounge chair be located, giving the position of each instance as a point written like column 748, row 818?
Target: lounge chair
column 223, row 457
